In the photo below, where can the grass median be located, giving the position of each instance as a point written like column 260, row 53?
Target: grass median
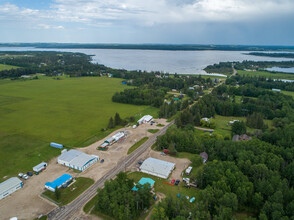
column 137, row 145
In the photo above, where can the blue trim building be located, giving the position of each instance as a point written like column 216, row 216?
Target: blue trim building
column 59, row 182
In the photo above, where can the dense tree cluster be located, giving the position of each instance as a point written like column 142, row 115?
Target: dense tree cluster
column 222, row 67
column 260, row 82
column 252, row 174
column 118, row 201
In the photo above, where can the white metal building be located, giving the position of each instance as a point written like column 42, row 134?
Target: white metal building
column 10, row 186
column 77, row 160
column 145, row 119
column 157, row 167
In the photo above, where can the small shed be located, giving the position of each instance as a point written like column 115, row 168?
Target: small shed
column 52, row 144
column 40, row 167
column 143, row 181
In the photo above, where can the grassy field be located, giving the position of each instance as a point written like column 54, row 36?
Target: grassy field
column 138, row 144
column 70, row 111
column 266, row 74
column 6, row 67
column 71, row 192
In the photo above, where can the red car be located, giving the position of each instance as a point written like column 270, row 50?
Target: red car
column 173, row 181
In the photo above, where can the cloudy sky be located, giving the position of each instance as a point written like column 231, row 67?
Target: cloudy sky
column 258, row 22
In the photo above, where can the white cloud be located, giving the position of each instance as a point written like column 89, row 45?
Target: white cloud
column 147, row 13
column 47, row 26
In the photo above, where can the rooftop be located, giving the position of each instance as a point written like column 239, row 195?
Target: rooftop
column 143, row 181
column 59, row 181
column 4, row 186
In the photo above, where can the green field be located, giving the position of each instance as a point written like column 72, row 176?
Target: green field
column 7, row 67
column 137, row 145
column 153, row 131
column 266, row 74
column 71, row 192
column 70, row 111
column 288, row 93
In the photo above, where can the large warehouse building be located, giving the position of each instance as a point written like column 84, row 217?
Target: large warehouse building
column 157, row 167
column 77, row 160
column 10, row 186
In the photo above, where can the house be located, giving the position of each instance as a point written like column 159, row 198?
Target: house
column 143, row 181
column 62, row 181
column 243, row 137
column 191, row 88
column 232, row 122
column 10, row 186
column 205, row 119
column 204, row 156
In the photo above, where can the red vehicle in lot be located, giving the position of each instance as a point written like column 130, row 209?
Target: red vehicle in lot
column 173, row 181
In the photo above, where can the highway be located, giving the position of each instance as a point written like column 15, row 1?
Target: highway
column 68, row 211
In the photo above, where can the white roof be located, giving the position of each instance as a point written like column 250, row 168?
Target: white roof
column 68, row 156
column 145, row 118
column 39, row 166
column 11, row 182
column 118, row 135
column 157, row 167
column 76, row 158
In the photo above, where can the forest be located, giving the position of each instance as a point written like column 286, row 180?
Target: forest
column 118, row 201
column 254, row 176
column 284, row 55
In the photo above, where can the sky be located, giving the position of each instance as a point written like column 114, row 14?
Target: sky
column 242, row 22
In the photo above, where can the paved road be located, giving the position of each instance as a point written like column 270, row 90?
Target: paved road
column 66, row 212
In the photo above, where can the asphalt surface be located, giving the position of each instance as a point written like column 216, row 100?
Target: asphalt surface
column 68, row 211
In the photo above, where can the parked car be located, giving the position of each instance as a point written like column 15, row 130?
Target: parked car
column 192, row 199
column 102, row 161
column 173, row 181
column 162, row 153
column 177, row 182
column 140, row 162
column 20, row 175
column 30, row 174
column 25, row 176
column 186, row 180
column 36, row 173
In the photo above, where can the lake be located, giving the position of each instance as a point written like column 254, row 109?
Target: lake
column 280, row 69
column 182, row 62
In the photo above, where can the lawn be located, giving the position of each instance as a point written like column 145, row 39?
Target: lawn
column 164, row 188
column 71, row 192
column 266, row 74
column 223, row 128
column 137, row 145
column 153, row 131
column 7, row 67
column 70, row 111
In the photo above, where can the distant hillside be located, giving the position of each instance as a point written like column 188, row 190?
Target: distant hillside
column 152, row 46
